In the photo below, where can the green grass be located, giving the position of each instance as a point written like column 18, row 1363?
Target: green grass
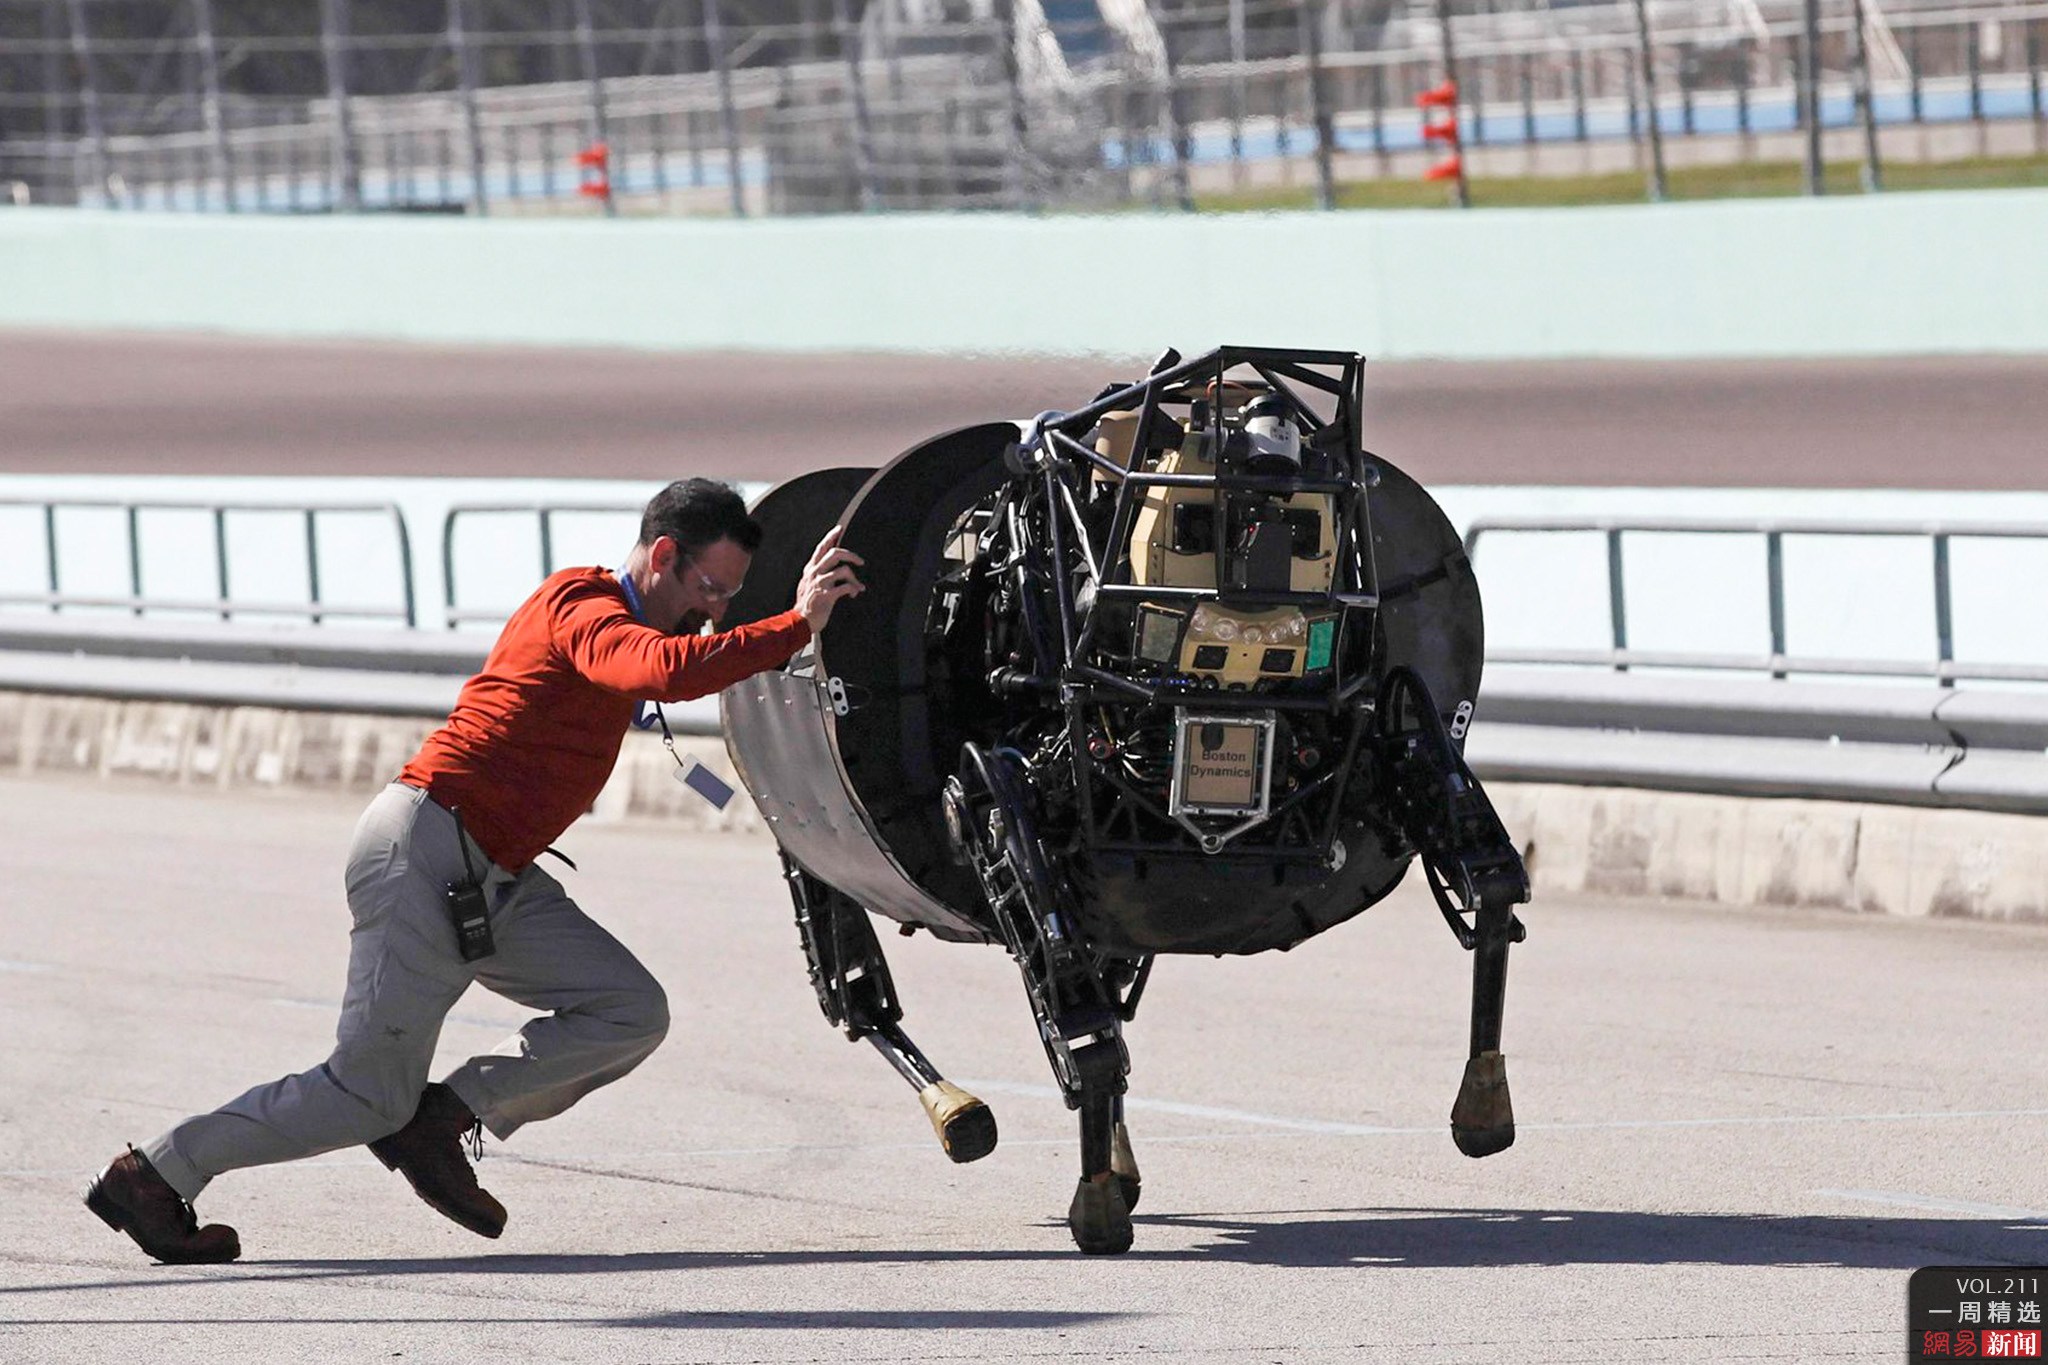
column 1751, row 180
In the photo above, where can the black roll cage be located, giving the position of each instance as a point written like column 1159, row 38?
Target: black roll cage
column 1056, row 453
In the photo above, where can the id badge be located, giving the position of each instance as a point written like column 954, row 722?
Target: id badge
column 704, row 782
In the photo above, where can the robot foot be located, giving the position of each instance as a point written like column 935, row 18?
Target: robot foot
column 1483, row 1120
column 1099, row 1218
column 966, row 1127
column 1124, row 1166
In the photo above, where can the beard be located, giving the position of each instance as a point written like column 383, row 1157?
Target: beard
column 690, row 623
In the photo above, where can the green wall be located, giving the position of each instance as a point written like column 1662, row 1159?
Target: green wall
column 1878, row 275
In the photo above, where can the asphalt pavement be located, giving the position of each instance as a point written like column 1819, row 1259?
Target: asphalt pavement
column 1739, row 1131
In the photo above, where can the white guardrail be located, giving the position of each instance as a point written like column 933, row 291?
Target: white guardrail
column 1613, row 717
column 1930, row 745
column 1927, row 746
column 1607, row 717
column 391, row 673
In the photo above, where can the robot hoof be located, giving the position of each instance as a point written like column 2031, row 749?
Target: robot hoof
column 1124, row 1166
column 966, row 1127
column 1099, row 1218
column 1483, row 1120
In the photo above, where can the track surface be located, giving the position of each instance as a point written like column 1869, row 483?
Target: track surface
column 1739, row 1132
column 164, row 405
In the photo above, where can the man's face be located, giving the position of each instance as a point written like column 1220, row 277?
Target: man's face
column 689, row 592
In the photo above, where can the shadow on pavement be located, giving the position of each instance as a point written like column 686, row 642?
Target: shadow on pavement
column 1457, row 1238
column 1362, row 1238
column 791, row 1321
column 258, row 1271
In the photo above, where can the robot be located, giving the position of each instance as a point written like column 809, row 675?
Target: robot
column 1185, row 670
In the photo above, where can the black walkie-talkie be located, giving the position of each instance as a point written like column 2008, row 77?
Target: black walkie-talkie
column 466, row 904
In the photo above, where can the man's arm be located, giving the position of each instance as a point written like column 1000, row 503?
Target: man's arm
column 603, row 642
column 607, row 645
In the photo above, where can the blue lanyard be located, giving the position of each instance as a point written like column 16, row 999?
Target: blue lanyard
column 632, row 594
column 646, row 714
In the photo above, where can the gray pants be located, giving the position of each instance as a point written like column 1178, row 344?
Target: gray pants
column 404, row 975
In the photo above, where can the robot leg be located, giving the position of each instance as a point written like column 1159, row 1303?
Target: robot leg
column 858, row 996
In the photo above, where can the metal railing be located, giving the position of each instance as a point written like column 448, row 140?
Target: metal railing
column 1628, row 720
column 1970, row 748
column 1779, row 661
column 291, row 667
column 760, row 109
column 544, row 514
column 140, row 602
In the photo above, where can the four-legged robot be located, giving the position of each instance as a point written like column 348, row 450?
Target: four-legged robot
column 1081, row 998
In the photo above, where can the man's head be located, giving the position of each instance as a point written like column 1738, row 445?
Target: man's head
column 696, row 541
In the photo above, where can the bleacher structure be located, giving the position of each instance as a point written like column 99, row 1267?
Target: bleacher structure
column 806, row 106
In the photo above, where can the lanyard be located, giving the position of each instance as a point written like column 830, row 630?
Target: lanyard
column 641, row 708
column 632, row 594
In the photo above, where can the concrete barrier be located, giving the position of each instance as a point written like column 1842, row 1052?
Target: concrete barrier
column 180, row 744
column 1863, row 275
column 1888, row 860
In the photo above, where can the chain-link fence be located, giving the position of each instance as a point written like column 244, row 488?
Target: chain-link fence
column 793, row 106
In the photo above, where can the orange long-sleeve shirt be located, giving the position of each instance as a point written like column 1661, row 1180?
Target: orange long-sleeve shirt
column 533, row 736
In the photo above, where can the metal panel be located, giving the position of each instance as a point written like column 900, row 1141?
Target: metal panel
column 784, row 744
column 891, row 744
column 880, row 751
column 1430, row 614
column 781, row 744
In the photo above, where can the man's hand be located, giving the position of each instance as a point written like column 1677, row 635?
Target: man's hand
column 826, row 579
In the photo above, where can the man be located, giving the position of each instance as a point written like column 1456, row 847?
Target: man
column 444, row 889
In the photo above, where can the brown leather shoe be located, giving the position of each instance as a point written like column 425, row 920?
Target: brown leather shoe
column 428, row 1151
column 129, row 1196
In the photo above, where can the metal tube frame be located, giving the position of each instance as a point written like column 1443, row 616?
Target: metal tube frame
column 1045, row 569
